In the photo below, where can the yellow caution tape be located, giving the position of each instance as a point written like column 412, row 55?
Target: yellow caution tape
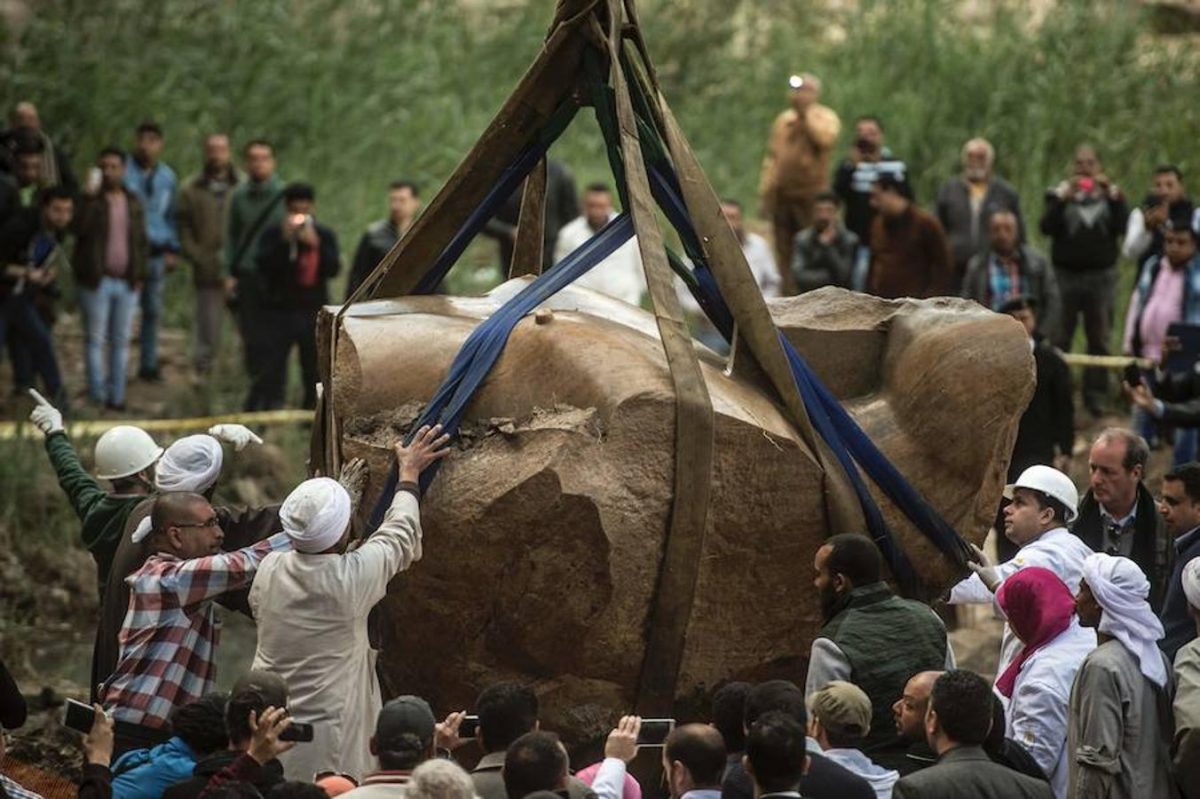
column 94, row 427
column 1106, row 361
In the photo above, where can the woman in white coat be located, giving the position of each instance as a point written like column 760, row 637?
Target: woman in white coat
column 1036, row 686
column 311, row 607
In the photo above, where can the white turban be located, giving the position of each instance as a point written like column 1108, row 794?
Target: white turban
column 1191, row 582
column 316, row 514
column 191, row 464
column 1121, row 589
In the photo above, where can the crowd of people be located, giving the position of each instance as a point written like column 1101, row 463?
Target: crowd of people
column 1096, row 688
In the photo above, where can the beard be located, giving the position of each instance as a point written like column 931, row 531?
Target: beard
column 976, row 175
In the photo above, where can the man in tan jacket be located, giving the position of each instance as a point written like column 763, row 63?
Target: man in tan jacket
column 796, row 167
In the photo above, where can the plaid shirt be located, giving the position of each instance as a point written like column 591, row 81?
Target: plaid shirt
column 1005, row 279
column 171, row 630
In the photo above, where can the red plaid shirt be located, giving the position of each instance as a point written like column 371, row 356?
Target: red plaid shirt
column 171, row 630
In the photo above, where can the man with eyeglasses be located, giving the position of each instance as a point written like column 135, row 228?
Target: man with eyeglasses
column 170, row 634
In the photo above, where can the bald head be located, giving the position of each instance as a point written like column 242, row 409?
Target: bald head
column 693, row 759
column 909, row 710
column 184, row 524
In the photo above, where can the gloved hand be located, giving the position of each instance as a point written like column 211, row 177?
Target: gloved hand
column 236, row 434
column 47, row 418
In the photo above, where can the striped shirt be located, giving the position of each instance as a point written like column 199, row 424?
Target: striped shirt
column 171, row 631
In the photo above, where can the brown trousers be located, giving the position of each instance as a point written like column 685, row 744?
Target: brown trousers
column 793, row 213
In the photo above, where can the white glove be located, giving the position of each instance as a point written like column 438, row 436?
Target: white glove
column 47, row 418
column 990, row 575
column 236, row 434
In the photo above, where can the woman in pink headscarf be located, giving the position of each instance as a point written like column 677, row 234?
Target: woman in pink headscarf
column 1036, row 686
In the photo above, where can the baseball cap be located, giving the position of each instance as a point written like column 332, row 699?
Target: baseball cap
column 260, row 687
column 405, row 722
column 843, row 706
column 1052, row 483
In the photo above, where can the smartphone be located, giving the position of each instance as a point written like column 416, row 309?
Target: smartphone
column 1133, row 375
column 654, row 732
column 297, row 732
column 468, row 728
column 79, row 716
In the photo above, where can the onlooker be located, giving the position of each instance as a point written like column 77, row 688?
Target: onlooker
column 536, row 761
column 404, row 201
column 611, row 780
column 126, row 456
column 155, row 185
column 255, row 205
column 839, row 716
column 909, row 712
column 909, row 253
column 693, row 762
column 1042, row 504
column 405, row 731
column 1187, row 694
column 1117, row 515
column 1040, row 609
column 252, row 694
column 296, row 259
column 203, row 203
column 1167, row 292
column 170, row 633
column 1008, row 269
column 776, row 755
column 1120, row 718
column 871, row 637
column 755, row 248
column 507, row 711
column 1046, row 432
column 965, row 205
column 856, row 176
column 440, row 779
column 259, row 763
column 823, row 254
column 959, row 718
column 728, row 716
column 619, row 275
column 198, row 730
column 311, row 607
column 56, row 165
column 109, row 264
column 796, row 165
column 562, row 205
column 20, row 189
column 1143, row 232
column 1084, row 218
column 1179, row 505
column 31, row 251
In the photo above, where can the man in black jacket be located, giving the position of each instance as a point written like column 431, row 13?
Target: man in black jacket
column 295, row 261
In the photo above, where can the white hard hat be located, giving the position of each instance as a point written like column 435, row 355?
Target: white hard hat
column 123, row 451
column 1052, row 483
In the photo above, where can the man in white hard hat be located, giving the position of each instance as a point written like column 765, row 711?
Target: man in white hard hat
column 1044, row 502
column 125, row 456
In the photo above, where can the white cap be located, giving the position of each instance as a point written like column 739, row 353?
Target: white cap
column 1052, row 483
column 123, row 451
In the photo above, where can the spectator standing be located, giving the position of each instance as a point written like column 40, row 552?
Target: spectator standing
column 620, row 275
column 1179, row 504
column 155, row 185
column 755, row 248
column 1143, row 232
column 440, row 779
column 965, row 204
column 203, row 204
column 823, row 254
column 109, row 265
column 171, row 633
column 311, row 607
column 839, row 718
column 404, row 201
column 909, row 712
column 693, row 762
column 296, row 259
column 1120, row 719
column 960, row 715
column 197, row 731
column 537, row 761
column 1118, row 516
column 871, row 637
column 1186, row 746
column 56, row 165
column 405, row 730
column 1037, row 684
column 1008, row 269
column 1084, row 219
column 909, row 253
column 31, row 252
column 869, row 158
column 796, row 166
column 256, row 205
column 776, row 756
column 19, row 189
column 728, row 715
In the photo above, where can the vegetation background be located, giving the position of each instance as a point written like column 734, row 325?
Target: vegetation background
column 356, row 93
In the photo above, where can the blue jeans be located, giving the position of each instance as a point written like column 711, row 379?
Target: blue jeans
column 152, row 303
column 31, row 342
column 108, row 319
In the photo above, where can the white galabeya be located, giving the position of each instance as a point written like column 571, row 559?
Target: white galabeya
column 123, row 451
